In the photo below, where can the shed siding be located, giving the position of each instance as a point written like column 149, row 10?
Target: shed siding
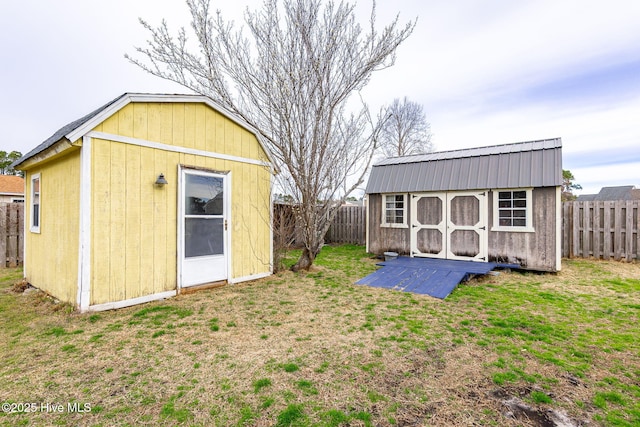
column 134, row 235
column 534, row 251
column 382, row 239
column 52, row 255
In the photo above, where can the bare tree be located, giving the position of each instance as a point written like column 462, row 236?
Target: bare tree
column 291, row 79
column 406, row 130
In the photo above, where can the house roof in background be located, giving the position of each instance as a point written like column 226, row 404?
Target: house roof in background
column 519, row 165
column 76, row 129
column 11, row 184
column 622, row 192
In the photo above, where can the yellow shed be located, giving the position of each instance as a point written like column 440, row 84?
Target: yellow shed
column 144, row 198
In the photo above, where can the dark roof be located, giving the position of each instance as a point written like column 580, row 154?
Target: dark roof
column 519, row 165
column 65, row 130
column 79, row 127
column 622, row 192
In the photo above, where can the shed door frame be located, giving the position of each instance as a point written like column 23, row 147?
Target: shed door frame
column 220, row 264
column 446, row 227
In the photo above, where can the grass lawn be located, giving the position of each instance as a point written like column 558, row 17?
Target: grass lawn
column 315, row 350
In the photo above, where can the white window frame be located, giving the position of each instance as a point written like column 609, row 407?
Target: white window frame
column 35, row 228
column 405, row 211
column 528, row 228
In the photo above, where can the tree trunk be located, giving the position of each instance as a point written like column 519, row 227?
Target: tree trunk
column 305, row 261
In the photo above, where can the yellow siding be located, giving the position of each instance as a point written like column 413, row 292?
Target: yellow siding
column 51, row 258
column 134, row 234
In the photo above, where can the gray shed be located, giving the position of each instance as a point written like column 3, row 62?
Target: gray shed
column 499, row 204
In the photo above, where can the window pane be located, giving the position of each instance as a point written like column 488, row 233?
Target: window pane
column 203, row 236
column 35, row 202
column 203, row 195
column 519, row 222
column 36, row 216
column 504, row 195
column 505, row 222
column 519, row 194
column 504, row 204
column 505, row 214
column 519, row 213
column 520, row 203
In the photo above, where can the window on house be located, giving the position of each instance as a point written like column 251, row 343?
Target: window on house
column 35, row 203
column 394, row 212
column 512, row 210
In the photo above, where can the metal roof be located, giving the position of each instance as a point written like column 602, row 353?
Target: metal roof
column 519, row 165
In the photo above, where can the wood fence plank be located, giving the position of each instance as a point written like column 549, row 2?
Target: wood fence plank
column 21, row 235
column 617, row 237
column 566, row 230
column 628, row 231
column 12, row 243
column 3, row 233
column 586, row 230
column 597, row 230
column 607, row 249
column 577, row 247
column 637, row 229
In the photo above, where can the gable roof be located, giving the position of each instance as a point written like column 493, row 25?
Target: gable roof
column 622, row 192
column 76, row 129
column 519, row 165
column 11, row 184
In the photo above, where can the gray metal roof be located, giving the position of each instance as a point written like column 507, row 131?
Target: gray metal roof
column 520, row 165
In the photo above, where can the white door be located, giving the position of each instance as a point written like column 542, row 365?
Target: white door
column 428, row 225
column 203, row 222
column 467, row 225
column 449, row 225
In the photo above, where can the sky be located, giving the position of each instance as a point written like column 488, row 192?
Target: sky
column 486, row 72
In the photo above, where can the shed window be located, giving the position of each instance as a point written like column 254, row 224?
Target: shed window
column 35, row 203
column 512, row 210
column 394, row 210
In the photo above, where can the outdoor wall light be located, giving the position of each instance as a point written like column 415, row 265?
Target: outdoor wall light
column 161, row 180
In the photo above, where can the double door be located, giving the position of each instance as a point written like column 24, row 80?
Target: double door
column 451, row 225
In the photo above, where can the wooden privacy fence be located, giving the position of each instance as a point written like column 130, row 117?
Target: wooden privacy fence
column 11, row 234
column 604, row 230
column 348, row 226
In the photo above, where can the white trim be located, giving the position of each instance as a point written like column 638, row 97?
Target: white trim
column 84, row 255
column 32, row 228
column 405, row 211
column 180, row 228
column 480, row 228
column 250, row 277
column 558, row 228
column 226, row 177
column 173, row 148
column 130, row 302
column 137, row 97
column 271, row 184
column 228, row 224
column 366, row 222
column 416, row 226
column 25, row 227
column 529, row 215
